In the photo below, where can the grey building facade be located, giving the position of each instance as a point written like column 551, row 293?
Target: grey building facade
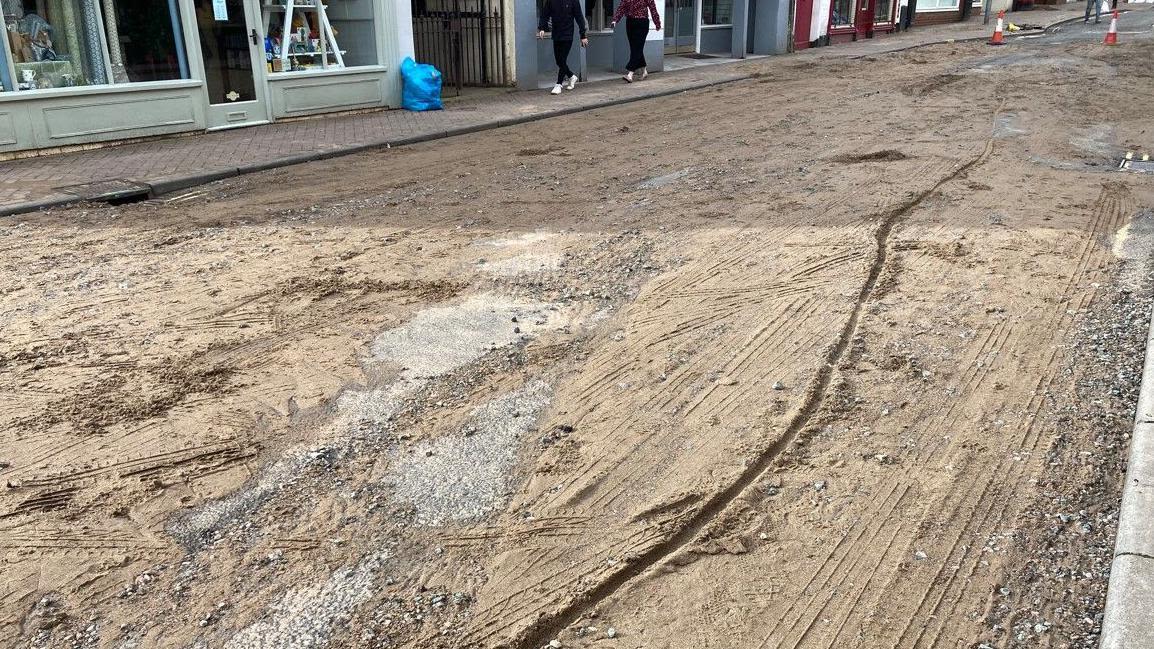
column 722, row 28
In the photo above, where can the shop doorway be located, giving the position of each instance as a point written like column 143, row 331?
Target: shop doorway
column 864, row 19
column 803, row 17
column 464, row 39
column 680, row 26
column 230, row 46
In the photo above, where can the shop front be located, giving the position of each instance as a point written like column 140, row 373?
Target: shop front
column 936, row 12
column 81, row 71
column 852, row 20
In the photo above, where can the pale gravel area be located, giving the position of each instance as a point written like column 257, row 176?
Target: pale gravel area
column 459, row 334
column 465, row 476
column 304, row 617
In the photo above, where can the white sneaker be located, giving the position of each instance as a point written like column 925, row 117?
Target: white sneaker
column 556, row 90
column 571, row 82
column 644, row 73
column 628, row 76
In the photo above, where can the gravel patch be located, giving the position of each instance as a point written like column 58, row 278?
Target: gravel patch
column 527, row 264
column 305, row 617
column 441, row 339
column 468, row 475
column 434, row 342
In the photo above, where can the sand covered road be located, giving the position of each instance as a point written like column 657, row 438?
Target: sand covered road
column 754, row 366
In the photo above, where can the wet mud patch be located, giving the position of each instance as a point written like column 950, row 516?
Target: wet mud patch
column 319, row 287
column 532, row 152
column 133, row 397
column 933, row 84
column 886, row 155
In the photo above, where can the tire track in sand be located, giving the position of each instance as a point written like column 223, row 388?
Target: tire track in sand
column 547, row 627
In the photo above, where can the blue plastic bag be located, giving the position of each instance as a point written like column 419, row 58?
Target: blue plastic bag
column 421, row 86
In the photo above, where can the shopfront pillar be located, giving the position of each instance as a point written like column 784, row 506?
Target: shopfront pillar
column 740, row 28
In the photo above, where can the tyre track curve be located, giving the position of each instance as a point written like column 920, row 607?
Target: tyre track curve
column 547, row 627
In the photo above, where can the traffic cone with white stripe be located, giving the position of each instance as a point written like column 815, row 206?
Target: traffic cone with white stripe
column 997, row 39
column 1112, row 33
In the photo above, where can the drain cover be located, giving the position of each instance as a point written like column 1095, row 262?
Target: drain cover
column 107, row 190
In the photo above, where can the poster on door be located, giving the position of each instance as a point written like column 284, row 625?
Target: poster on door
column 220, row 10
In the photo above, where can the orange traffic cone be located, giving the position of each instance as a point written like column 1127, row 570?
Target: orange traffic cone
column 1112, row 33
column 997, row 39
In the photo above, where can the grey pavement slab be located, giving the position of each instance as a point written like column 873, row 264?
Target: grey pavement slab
column 1136, row 519
column 1129, row 619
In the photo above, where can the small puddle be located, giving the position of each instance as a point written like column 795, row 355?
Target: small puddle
column 661, row 181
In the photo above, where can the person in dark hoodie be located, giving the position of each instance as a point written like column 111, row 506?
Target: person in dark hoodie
column 559, row 15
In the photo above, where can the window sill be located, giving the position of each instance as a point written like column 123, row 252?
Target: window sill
column 360, row 69
column 938, row 10
column 107, row 89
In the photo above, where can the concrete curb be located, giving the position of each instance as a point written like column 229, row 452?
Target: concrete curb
column 1126, row 623
column 169, row 184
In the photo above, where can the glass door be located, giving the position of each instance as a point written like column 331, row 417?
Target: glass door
column 230, row 48
column 680, row 26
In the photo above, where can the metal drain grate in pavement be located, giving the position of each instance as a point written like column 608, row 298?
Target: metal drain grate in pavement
column 113, row 190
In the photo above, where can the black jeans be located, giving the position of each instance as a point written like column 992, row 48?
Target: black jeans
column 561, row 54
column 636, row 29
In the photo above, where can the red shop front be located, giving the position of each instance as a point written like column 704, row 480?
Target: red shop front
column 851, row 20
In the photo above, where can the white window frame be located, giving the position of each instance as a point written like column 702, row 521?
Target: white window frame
column 957, row 6
column 848, row 26
column 892, row 17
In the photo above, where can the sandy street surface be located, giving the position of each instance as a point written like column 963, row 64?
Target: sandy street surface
column 841, row 356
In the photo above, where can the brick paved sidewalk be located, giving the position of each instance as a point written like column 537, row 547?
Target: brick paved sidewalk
column 162, row 165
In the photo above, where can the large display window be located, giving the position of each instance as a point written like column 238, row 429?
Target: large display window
column 307, row 35
column 69, row 43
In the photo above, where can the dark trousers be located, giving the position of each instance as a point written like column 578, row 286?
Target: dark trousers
column 561, row 54
column 636, row 29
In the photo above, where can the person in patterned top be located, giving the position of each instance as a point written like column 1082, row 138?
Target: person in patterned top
column 636, row 13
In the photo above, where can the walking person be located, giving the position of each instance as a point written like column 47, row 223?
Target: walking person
column 1096, row 5
column 558, row 17
column 636, row 13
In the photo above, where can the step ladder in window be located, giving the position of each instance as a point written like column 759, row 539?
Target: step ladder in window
column 294, row 46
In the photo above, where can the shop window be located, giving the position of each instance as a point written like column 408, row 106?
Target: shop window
column 66, row 43
column 883, row 11
column 938, row 5
column 354, row 25
column 841, row 12
column 599, row 14
column 716, row 12
column 5, row 76
column 306, row 44
column 145, row 40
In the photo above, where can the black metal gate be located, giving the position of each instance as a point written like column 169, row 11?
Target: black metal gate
column 465, row 39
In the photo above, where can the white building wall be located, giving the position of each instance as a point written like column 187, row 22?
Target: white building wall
column 819, row 24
